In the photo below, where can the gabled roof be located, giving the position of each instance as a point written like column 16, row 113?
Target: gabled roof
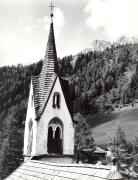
column 65, row 88
column 38, row 170
column 42, row 84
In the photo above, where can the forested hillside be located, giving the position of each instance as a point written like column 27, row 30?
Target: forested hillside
column 102, row 81
column 14, row 89
column 99, row 82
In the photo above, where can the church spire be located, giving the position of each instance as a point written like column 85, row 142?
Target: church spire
column 50, row 70
column 50, row 60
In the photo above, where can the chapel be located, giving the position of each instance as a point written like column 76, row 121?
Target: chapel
column 49, row 129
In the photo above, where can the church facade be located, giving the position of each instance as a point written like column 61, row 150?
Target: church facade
column 49, row 128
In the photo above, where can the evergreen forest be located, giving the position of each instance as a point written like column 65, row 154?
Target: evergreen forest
column 99, row 82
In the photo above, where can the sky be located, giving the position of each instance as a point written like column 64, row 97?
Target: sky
column 24, row 26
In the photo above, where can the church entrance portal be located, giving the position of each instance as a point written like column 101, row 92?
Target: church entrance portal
column 54, row 144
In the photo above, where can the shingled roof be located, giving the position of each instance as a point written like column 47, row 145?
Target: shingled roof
column 43, row 83
column 38, row 170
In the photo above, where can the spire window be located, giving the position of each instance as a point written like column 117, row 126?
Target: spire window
column 56, row 100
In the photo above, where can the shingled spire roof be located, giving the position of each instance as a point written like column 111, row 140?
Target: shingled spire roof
column 43, row 83
column 50, row 61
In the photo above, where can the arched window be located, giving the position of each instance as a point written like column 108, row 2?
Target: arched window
column 30, row 136
column 56, row 100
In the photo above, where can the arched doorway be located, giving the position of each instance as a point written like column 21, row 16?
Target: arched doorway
column 55, row 136
column 58, row 141
column 50, row 140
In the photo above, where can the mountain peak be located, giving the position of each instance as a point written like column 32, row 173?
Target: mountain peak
column 97, row 45
column 125, row 40
column 101, row 45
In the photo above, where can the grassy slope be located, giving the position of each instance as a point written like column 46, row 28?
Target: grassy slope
column 107, row 123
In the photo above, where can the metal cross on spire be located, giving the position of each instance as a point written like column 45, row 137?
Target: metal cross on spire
column 51, row 8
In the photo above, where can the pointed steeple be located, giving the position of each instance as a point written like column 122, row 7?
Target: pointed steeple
column 43, row 83
column 50, row 61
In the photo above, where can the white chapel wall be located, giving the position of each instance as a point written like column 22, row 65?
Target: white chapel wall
column 64, row 115
column 30, row 117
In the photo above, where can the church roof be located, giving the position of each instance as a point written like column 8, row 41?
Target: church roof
column 43, row 83
column 97, row 150
column 38, row 170
column 115, row 175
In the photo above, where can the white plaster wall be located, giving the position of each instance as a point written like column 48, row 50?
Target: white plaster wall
column 64, row 115
column 30, row 115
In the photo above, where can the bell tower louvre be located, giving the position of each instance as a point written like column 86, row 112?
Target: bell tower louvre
column 49, row 129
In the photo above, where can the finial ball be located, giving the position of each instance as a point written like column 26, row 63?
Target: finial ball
column 51, row 15
column 51, row 7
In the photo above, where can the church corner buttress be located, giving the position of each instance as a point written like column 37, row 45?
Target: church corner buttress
column 49, row 126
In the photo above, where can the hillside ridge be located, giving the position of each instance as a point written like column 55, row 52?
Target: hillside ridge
column 100, row 82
